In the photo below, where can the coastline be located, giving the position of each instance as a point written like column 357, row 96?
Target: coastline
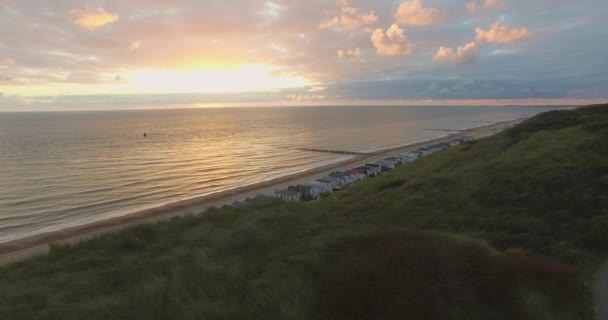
column 18, row 249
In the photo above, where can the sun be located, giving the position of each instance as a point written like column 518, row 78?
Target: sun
column 236, row 79
column 196, row 79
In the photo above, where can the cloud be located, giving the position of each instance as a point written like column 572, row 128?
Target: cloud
column 349, row 17
column 195, row 34
column 473, row 7
column 353, row 53
column 134, row 46
column 462, row 55
column 7, row 62
column 391, row 43
column 92, row 18
column 494, row 4
column 414, row 14
column 271, row 11
column 502, row 34
column 305, row 97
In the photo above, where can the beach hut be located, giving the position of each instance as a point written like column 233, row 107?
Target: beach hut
column 453, row 142
column 409, row 156
column 260, row 198
column 346, row 178
column 324, row 189
column 376, row 169
column 336, row 184
column 422, row 152
column 356, row 175
column 379, row 169
column 341, row 182
column 288, row 195
column 397, row 160
column 386, row 165
column 393, row 162
column 328, row 183
column 308, row 192
column 367, row 171
column 402, row 160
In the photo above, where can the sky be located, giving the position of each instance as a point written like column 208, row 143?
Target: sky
column 116, row 54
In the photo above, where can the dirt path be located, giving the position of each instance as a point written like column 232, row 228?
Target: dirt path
column 600, row 292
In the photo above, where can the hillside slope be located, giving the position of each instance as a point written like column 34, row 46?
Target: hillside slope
column 529, row 207
column 542, row 186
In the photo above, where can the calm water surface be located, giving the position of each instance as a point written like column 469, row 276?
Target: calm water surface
column 62, row 169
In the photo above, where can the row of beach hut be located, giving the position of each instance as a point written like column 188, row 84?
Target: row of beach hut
column 339, row 180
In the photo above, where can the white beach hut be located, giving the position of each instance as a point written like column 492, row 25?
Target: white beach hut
column 288, row 195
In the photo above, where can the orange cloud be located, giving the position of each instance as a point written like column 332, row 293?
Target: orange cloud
column 502, row 34
column 353, row 53
column 349, row 17
column 92, row 18
column 413, row 13
column 134, row 46
column 462, row 55
column 391, row 43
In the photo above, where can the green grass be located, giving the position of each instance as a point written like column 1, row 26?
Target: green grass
column 508, row 227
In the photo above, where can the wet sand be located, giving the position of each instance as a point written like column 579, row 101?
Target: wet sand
column 40, row 244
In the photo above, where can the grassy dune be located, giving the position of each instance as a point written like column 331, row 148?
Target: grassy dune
column 509, row 227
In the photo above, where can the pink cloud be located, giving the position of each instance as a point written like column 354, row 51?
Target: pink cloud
column 7, row 62
column 349, row 17
column 494, row 4
column 391, row 43
column 462, row 55
column 413, row 13
column 502, row 34
column 92, row 18
column 474, row 7
column 353, row 53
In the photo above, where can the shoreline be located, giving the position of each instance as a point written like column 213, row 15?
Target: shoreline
column 18, row 249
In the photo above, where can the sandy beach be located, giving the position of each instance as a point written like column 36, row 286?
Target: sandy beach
column 40, row 244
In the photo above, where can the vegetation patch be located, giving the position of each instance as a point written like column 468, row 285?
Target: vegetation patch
column 414, row 275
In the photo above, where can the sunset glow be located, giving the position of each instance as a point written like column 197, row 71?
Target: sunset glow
column 241, row 79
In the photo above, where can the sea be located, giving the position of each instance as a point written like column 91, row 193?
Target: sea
column 61, row 169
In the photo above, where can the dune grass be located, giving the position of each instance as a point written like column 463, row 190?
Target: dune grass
column 510, row 226
column 413, row 275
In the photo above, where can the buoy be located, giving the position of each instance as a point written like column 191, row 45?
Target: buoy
column 145, row 135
